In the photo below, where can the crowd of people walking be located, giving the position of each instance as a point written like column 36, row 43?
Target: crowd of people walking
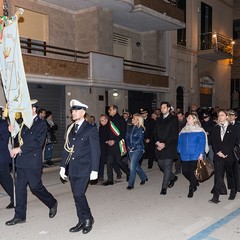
column 121, row 143
column 169, row 137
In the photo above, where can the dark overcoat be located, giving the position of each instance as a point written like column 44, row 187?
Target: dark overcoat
column 166, row 131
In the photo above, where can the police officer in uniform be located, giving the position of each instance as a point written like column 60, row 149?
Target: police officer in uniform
column 5, row 177
column 82, row 155
column 29, row 168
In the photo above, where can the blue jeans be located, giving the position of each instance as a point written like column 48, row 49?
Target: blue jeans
column 135, row 157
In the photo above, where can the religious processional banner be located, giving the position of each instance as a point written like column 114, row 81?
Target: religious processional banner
column 13, row 74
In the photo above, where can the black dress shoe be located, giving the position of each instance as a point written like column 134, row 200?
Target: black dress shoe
column 143, row 182
column 129, row 188
column 232, row 195
column 53, row 210
column 190, row 193
column 214, row 200
column 77, row 228
column 171, row 183
column 88, row 226
column 15, row 221
column 163, row 191
column 10, row 205
column 107, row 183
column 119, row 176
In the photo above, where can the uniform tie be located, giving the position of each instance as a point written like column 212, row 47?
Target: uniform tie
column 76, row 128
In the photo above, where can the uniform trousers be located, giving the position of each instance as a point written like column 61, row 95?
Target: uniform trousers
column 6, row 180
column 31, row 177
column 79, row 186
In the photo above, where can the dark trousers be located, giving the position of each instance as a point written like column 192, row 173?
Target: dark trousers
column 118, row 159
column 102, row 164
column 166, row 167
column 188, row 168
column 6, row 180
column 31, row 177
column 79, row 186
column 178, row 165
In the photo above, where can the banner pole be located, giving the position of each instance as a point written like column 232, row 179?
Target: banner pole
column 14, row 174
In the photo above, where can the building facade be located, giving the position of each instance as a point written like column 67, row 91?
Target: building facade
column 235, row 81
column 132, row 53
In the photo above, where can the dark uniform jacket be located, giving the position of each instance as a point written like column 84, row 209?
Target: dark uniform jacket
column 33, row 140
column 166, row 131
column 4, row 138
column 86, row 155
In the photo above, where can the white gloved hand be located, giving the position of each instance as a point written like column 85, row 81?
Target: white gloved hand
column 93, row 175
column 62, row 173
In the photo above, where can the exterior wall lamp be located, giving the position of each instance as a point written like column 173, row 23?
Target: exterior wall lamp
column 115, row 93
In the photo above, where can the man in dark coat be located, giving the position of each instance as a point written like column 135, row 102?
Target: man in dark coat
column 29, row 168
column 82, row 154
column 149, row 143
column 5, row 177
column 166, row 139
column 113, row 150
column 181, row 124
column 104, row 136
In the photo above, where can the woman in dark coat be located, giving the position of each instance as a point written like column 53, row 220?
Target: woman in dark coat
column 224, row 137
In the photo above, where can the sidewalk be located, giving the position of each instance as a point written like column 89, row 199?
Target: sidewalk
column 139, row 214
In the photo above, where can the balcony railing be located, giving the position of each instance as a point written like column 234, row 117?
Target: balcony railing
column 171, row 8
column 215, row 41
column 42, row 49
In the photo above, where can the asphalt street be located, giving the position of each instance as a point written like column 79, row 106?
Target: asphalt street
column 141, row 213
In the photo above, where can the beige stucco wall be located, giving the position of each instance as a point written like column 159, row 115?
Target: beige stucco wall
column 93, row 28
column 60, row 24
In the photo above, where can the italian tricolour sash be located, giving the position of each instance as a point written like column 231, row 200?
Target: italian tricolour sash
column 122, row 144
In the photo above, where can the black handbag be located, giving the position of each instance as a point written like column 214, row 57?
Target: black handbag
column 204, row 170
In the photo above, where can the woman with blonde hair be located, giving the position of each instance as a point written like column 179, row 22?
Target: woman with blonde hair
column 192, row 145
column 224, row 138
column 135, row 145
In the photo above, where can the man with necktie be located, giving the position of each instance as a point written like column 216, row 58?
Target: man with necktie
column 82, row 155
column 29, row 168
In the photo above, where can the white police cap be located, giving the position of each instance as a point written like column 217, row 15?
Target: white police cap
column 76, row 105
column 33, row 102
